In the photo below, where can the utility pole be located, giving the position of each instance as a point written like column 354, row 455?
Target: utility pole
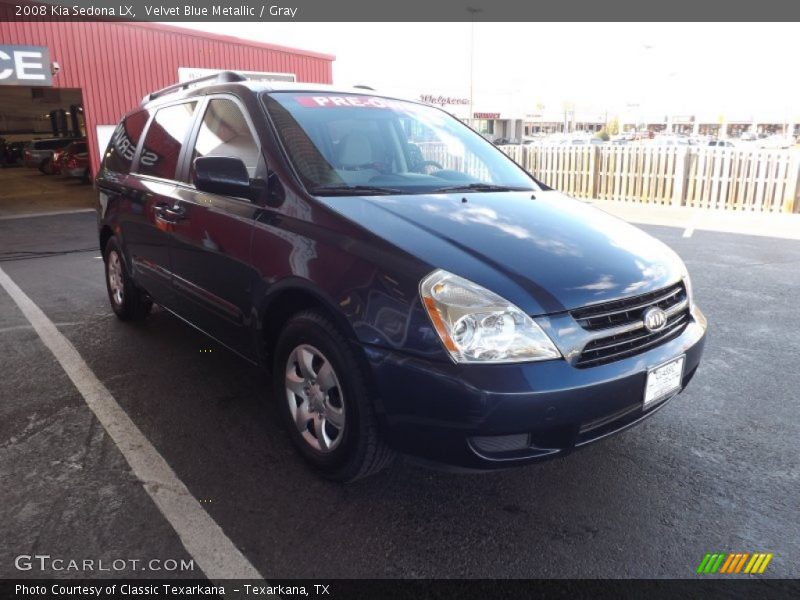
column 472, row 12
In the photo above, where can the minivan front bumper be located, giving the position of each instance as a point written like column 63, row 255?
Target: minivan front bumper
column 494, row 416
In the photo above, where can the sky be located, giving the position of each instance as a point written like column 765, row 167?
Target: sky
column 730, row 69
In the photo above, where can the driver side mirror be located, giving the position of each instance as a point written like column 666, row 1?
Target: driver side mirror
column 224, row 175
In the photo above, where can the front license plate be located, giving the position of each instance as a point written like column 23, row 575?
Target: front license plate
column 663, row 380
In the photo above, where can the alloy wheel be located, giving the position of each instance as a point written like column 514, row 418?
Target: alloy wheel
column 315, row 398
column 115, row 278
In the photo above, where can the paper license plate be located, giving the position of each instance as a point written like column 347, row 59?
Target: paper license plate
column 663, row 380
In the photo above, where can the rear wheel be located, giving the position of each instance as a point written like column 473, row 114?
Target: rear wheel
column 128, row 301
column 46, row 166
column 324, row 401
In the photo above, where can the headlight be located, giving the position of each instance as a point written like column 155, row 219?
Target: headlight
column 478, row 326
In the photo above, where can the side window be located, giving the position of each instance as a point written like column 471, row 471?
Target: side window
column 164, row 140
column 54, row 145
column 123, row 143
column 224, row 132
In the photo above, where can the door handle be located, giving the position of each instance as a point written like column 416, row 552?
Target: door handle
column 172, row 214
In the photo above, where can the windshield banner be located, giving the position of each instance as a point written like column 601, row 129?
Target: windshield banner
column 348, row 101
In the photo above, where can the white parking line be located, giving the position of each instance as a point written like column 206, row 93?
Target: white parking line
column 46, row 213
column 689, row 231
column 203, row 539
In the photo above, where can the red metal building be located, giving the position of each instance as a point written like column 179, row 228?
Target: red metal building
column 115, row 64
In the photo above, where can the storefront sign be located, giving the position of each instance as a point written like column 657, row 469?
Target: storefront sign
column 485, row 115
column 443, row 100
column 25, row 65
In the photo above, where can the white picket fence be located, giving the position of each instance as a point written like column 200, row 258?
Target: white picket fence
column 705, row 177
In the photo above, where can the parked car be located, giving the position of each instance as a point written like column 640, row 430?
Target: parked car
column 501, row 141
column 78, row 166
column 671, row 139
column 409, row 287
column 720, row 143
column 644, row 134
column 622, row 138
column 536, row 138
column 776, row 142
column 39, row 153
column 11, row 153
column 73, row 160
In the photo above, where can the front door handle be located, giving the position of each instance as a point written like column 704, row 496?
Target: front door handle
column 172, row 214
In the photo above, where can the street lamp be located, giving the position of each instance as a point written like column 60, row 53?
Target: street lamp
column 472, row 12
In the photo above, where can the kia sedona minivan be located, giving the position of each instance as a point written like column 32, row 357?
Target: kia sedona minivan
column 408, row 286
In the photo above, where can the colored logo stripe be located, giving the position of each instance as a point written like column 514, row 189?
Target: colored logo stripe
column 734, row 562
column 758, row 563
column 741, row 562
column 731, row 560
column 703, row 563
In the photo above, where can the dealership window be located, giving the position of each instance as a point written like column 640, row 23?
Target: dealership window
column 124, row 140
column 225, row 132
column 164, row 140
column 484, row 126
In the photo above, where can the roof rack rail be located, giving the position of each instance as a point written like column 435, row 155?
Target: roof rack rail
column 364, row 87
column 221, row 77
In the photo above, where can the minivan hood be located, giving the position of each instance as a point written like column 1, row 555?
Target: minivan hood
column 545, row 252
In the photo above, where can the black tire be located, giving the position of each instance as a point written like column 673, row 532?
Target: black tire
column 132, row 304
column 361, row 451
column 46, row 166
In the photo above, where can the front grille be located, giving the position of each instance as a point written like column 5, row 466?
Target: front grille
column 623, row 320
column 493, row 444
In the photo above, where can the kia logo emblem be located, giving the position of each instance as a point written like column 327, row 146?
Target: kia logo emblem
column 654, row 319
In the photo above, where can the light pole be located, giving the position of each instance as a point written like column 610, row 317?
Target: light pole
column 645, row 50
column 472, row 12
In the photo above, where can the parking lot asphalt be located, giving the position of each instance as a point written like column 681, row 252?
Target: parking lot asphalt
column 714, row 471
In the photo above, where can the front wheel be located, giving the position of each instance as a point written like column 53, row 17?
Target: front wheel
column 128, row 302
column 324, row 401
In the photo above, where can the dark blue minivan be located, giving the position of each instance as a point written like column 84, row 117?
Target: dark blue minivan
column 409, row 287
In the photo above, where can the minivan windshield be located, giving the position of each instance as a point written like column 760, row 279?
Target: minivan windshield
column 351, row 144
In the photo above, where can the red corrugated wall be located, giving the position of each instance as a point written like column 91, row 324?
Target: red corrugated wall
column 115, row 64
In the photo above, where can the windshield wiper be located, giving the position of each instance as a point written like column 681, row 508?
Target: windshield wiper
column 353, row 190
column 479, row 187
